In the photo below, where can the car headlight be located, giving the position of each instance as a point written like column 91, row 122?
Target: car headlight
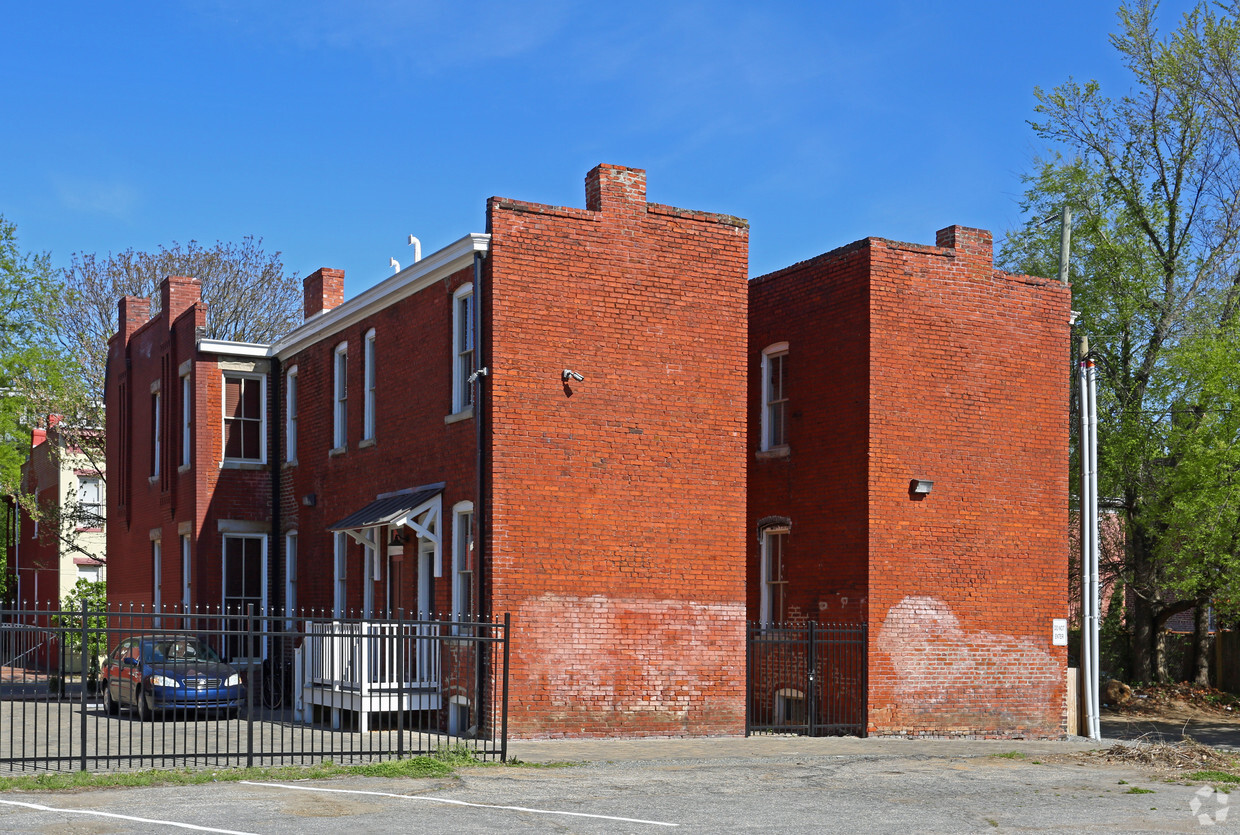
column 164, row 681
column 233, row 680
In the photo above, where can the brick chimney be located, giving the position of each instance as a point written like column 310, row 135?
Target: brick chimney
column 132, row 313
column 177, row 294
column 974, row 245
column 611, row 188
column 323, row 289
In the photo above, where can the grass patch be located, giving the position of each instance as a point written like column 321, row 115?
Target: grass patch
column 1010, row 755
column 438, row 765
column 1139, row 790
column 1214, row 777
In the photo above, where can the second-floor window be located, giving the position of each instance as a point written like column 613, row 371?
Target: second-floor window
column 290, row 415
column 243, row 418
column 368, row 424
column 186, row 410
column 774, row 396
column 463, row 357
column 157, row 434
column 340, row 396
column 90, row 502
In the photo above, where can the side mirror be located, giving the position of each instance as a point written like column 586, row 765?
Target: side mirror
column 129, row 662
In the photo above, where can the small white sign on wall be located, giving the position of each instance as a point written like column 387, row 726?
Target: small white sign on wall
column 1059, row 632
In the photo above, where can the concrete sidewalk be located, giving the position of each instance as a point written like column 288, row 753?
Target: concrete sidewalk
column 778, row 748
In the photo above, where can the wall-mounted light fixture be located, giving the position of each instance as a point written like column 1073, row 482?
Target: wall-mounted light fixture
column 309, row 500
column 396, row 547
column 570, row 374
column 920, row 487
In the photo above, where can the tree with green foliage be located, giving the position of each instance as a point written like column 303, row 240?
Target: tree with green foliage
column 25, row 281
column 1152, row 178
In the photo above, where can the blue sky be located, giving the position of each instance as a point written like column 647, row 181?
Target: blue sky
column 334, row 130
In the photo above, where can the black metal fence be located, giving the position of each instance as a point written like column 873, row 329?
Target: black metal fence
column 101, row 691
column 807, row 679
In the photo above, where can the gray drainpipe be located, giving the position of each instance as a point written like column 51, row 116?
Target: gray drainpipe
column 275, row 568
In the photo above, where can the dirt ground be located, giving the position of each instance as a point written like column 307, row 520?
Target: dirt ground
column 1171, row 712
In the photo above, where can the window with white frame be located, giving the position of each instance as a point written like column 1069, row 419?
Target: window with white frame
column 368, row 371
column 245, row 411
column 187, row 573
column 186, row 411
column 290, row 578
column 245, row 585
column 340, row 396
column 340, row 577
column 463, row 359
column 290, row 414
column 774, row 396
column 462, row 561
column 157, row 434
column 774, row 580
column 90, row 502
column 157, row 583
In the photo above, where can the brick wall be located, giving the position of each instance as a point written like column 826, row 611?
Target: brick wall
column 917, row 362
column 618, row 501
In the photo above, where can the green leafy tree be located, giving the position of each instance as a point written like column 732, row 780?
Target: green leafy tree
column 1152, row 177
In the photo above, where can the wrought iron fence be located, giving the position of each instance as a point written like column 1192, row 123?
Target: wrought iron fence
column 807, row 679
column 101, row 691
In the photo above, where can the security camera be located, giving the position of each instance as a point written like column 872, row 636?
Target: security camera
column 570, row 374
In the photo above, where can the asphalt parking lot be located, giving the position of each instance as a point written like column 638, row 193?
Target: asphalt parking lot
column 780, row 785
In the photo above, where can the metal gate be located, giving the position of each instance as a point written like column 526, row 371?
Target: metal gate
column 807, row 679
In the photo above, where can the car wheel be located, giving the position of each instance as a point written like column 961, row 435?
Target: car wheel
column 109, row 704
column 146, row 711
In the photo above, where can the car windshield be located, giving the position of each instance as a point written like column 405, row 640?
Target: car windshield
column 177, row 650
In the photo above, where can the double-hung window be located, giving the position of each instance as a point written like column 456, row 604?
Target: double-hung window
column 244, row 414
column 90, row 502
column 290, row 415
column 290, row 578
column 368, row 407
column 187, row 573
column 462, row 561
column 463, row 356
column 186, row 410
column 340, row 396
column 157, row 434
column 157, row 580
column 775, row 396
column 340, row 574
column 774, row 580
column 245, row 572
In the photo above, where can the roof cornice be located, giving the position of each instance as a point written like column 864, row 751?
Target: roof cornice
column 410, row 280
column 233, row 349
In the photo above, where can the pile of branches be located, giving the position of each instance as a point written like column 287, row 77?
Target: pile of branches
column 1173, row 759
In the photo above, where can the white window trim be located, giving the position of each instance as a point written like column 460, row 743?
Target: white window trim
column 779, row 349
column 262, row 416
column 186, row 573
column 262, row 563
column 460, row 389
column 157, row 559
column 157, row 432
column 340, row 573
column 766, row 593
column 340, row 405
column 290, row 578
column 369, row 378
column 186, row 411
column 290, row 415
column 460, row 556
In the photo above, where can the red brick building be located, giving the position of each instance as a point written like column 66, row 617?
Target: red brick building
column 590, row 420
column 552, row 414
column 908, row 470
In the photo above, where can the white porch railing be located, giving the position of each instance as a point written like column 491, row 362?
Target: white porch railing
column 369, row 667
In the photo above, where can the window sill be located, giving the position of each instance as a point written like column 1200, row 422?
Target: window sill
column 340, row 450
column 781, row 451
column 184, row 468
column 88, row 530
column 365, row 442
column 153, row 480
column 464, row 414
column 287, row 464
column 230, row 464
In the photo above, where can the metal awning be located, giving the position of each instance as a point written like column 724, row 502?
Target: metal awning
column 419, row 510
column 391, row 510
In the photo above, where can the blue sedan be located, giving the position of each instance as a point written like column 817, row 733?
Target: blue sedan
column 160, row 672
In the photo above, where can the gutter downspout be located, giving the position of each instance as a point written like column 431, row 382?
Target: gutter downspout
column 274, row 455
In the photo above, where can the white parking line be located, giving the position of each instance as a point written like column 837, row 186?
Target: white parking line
column 41, row 808
column 461, row 803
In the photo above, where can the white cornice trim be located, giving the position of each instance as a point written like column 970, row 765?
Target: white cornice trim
column 233, row 349
column 410, row 280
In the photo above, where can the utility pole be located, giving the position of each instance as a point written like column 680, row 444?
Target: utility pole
column 1065, row 242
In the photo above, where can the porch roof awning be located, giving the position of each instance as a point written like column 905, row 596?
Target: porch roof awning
column 391, row 510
